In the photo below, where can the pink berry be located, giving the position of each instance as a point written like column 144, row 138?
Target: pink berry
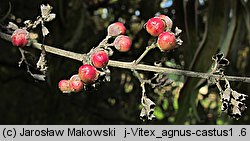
column 20, row 37
column 88, row 74
column 166, row 41
column 64, row 86
column 75, row 83
column 155, row 26
column 100, row 59
column 122, row 43
column 168, row 22
column 116, row 29
column 75, row 78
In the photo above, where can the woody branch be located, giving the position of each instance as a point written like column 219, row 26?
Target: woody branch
column 131, row 65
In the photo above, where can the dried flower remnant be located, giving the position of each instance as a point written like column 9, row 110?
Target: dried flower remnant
column 147, row 112
column 233, row 102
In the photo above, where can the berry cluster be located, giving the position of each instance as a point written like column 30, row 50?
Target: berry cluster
column 95, row 70
column 161, row 26
column 122, row 42
column 96, row 61
column 87, row 73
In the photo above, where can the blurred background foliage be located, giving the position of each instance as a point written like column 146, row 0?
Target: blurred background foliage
column 209, row 27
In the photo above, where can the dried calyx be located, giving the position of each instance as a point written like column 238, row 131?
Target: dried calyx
column 147, row 111
column 233, row 103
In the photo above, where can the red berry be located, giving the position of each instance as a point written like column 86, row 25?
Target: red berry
column 155, row 26
column 122, row 43
column 88, row 74
column 116, row 29
column 75, row 78
column 168, row 22
column 64, row 86
column 100, row 59
column 20, row 37
column 75, row 83
column 166, row 41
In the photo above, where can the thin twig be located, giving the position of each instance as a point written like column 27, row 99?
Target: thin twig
column 131, row 66
column 144, row 53
column 7, row 14
column 104, row 42
column 137, row 75
column 142, row 81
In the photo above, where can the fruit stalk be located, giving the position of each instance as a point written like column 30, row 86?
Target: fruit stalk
column 144, row 53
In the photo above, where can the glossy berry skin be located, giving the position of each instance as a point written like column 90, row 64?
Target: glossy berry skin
column 122, row 43
column 155, row 26
column 64, row 86
column 75, row 83
column 167, row 21
column 116, row 29
column 100, row 59
column 20, row 37
column 88, row 74
column 166, row 41
column 75, row 77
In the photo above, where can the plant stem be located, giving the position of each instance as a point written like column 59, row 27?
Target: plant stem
column 131, row 65
column 104, row 42
column 144, row 53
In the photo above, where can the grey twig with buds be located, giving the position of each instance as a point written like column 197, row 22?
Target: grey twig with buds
column 130, row 65
column 232, row 101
